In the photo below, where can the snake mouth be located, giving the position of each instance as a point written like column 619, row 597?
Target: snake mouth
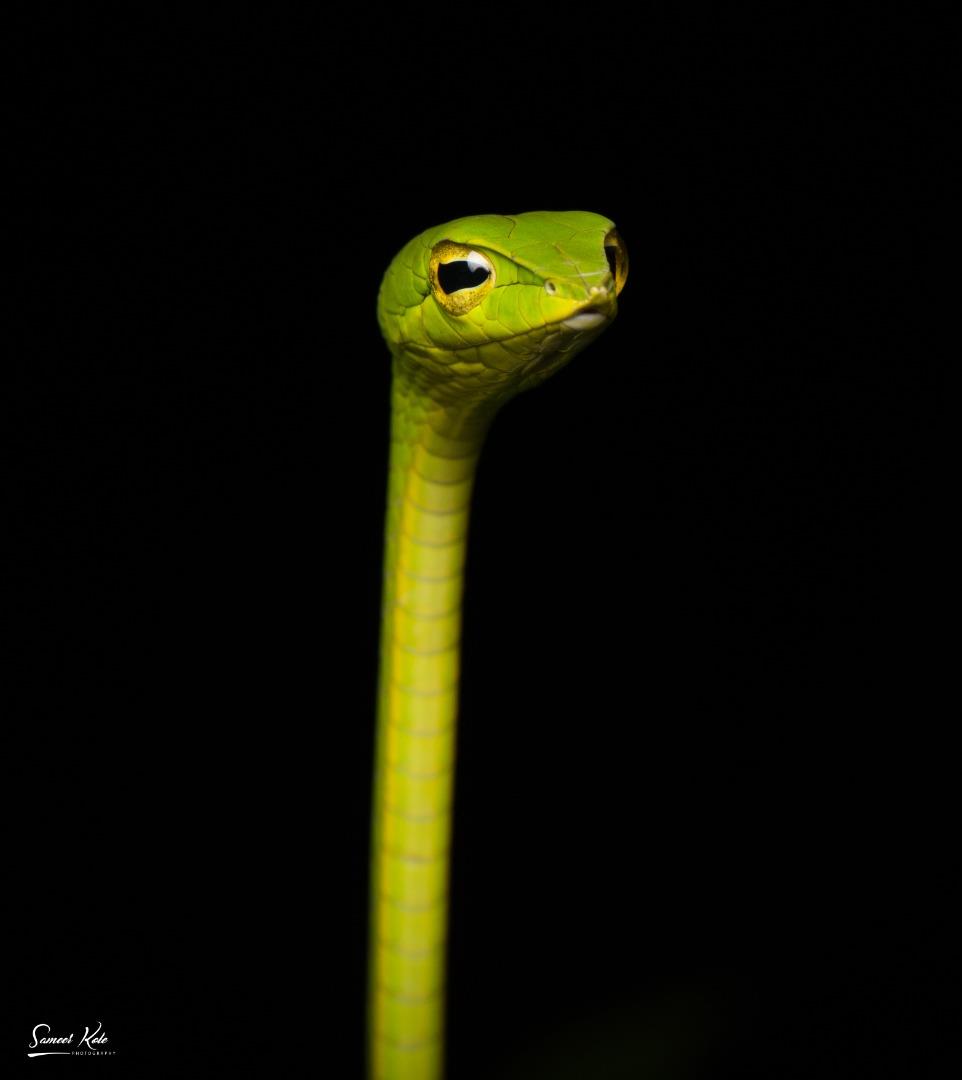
column 586, row 319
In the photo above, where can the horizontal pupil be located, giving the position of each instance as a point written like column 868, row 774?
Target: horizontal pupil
column 457, row 275
column 612, row 253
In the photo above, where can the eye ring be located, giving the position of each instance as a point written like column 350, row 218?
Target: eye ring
column 617, row 255
column 457, row 288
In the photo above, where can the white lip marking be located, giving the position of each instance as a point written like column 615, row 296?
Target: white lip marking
column 585, row 321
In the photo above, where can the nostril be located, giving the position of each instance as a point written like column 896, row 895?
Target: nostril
column 550, row 288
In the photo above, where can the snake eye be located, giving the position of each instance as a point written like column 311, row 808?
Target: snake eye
column 617, row 255
column 460, row 277
column 463, row 273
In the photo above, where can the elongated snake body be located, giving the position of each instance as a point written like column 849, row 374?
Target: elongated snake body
column 473, row 311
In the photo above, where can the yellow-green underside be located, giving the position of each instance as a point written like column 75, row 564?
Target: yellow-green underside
column 431, row 476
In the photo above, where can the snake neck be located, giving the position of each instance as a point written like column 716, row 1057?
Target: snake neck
column 433, row 458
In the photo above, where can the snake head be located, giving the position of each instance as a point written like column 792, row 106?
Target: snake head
column 483, row 307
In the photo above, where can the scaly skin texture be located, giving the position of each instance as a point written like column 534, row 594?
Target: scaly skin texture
column 458, row 356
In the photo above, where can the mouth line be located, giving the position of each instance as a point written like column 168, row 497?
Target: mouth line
column 586, row 319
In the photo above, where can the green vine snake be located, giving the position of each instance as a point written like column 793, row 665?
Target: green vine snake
column 473, row 311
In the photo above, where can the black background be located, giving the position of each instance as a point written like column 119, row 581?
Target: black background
column 701, row 791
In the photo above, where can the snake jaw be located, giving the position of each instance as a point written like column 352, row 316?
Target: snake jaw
column 585, row 320
column 566, row 337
